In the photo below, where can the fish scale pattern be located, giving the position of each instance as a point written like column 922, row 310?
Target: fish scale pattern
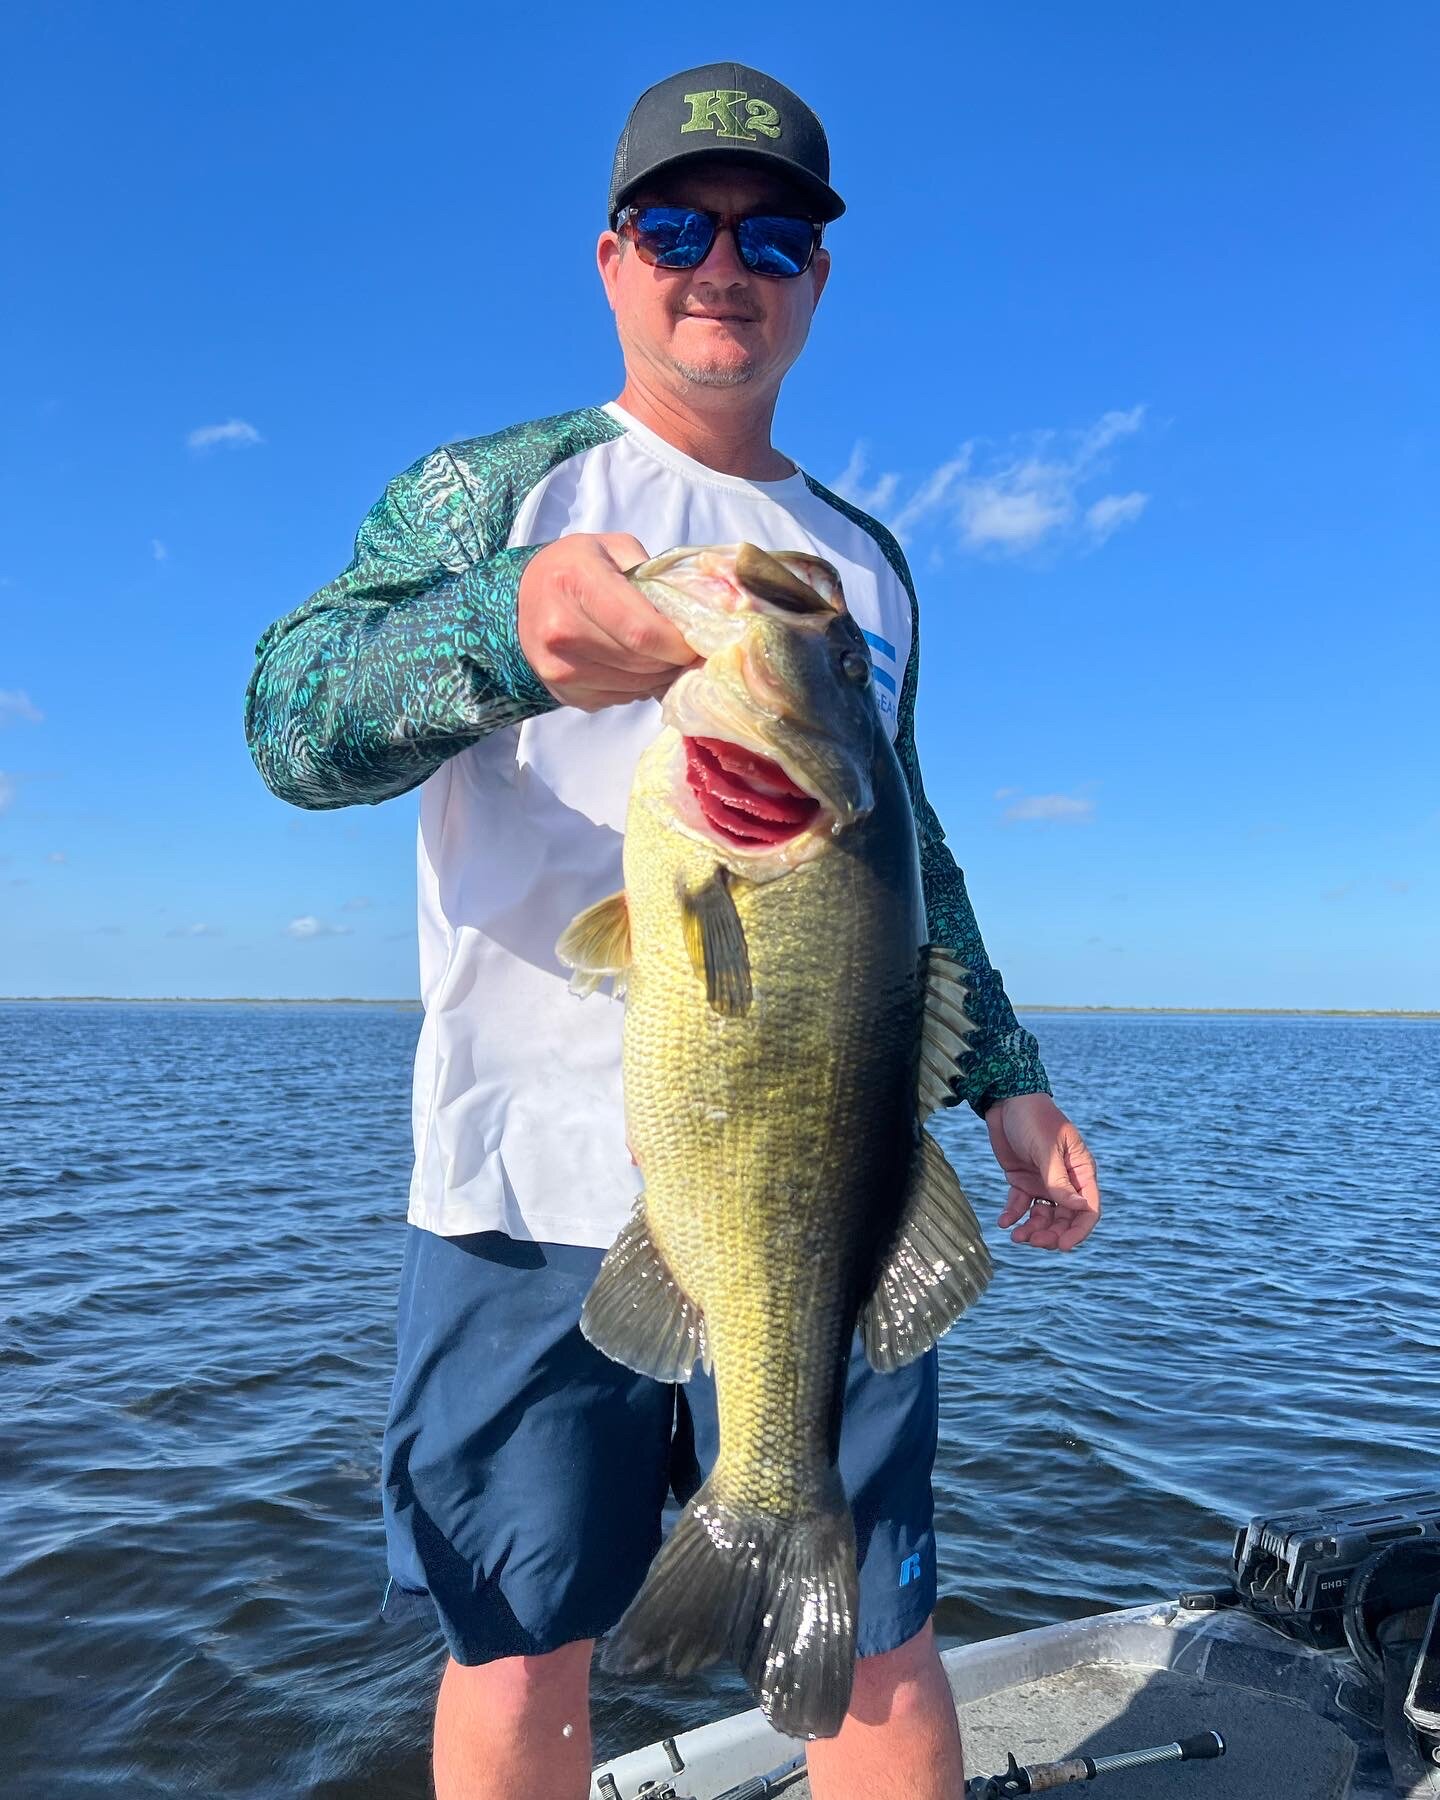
column 1002, row 1058
column 774, row 1145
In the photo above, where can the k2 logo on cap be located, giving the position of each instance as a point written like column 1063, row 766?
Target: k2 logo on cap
column 718, row 109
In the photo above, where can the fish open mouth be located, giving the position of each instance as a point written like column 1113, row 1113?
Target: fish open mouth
column 745, row 799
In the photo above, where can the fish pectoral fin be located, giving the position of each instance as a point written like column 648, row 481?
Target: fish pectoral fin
column 715, row 939
column 596, row 945
column 937, row 1266
column 638, row 1313
column 944, row 1031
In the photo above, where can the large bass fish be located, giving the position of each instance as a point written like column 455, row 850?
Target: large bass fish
column 786, row 1033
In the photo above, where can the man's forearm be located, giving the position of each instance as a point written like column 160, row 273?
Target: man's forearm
column 1001, row 1057
column 405, row 659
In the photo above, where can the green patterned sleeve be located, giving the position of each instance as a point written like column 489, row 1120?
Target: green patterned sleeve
column 413, row 653
column 1002, row 1058
column 362, row 692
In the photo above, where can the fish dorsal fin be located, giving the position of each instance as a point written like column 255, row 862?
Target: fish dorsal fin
column 596, row 945
column 637, row 1312
column 715, row 938
column 767, row 578
column 937, row 1266
column 944, row 1031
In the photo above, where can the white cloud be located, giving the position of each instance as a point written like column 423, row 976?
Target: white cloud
column 17, row 707
column 1068, row 809
column 1108, row 427
column 1114, row 510
column 238, row 434
column 159, row 551
column 194, row 931
column 850, row 483
column 1009, row 499
column 310, row 927
column 57, row 856
column 1010, row 519
column 933, row 491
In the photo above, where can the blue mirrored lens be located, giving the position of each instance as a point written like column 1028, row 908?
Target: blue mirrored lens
column 680, row 237
column 676, row 236
column 773, row 245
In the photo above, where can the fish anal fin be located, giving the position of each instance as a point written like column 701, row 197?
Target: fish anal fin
column 945, row 1027
column 637, row 1312
column 936, row 1267
column 715, row 939
column 596, row 945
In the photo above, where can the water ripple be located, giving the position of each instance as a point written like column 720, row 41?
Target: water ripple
column 197, row 1287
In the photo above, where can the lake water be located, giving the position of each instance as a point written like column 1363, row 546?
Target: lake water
column 200, row 1233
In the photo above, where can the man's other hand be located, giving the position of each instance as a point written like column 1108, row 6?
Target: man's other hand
column 592, row 638
column 1044, row 1158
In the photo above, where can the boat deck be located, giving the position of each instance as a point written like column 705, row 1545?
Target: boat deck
column 1273, row 1746
column 1296, row 1726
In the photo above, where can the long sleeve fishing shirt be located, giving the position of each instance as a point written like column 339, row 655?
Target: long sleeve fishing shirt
column 406, row 671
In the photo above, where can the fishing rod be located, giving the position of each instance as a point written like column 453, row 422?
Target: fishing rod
column 1034, row 1778
column 754, row 1787
column 1040, row 1778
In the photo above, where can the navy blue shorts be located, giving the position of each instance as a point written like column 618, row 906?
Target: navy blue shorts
column 525, row 1472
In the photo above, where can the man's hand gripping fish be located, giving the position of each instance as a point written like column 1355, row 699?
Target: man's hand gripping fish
column 786, row 1035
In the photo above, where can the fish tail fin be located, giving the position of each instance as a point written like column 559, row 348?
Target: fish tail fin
column 775, row 1595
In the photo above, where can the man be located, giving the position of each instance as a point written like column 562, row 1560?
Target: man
column 484, row 646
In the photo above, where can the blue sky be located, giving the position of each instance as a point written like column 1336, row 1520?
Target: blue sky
column 1126, row 334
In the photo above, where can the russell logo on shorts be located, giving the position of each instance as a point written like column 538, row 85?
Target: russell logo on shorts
column 910, row 1570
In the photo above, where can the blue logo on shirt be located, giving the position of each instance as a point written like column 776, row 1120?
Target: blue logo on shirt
column 885, row 687
column 910, row 1568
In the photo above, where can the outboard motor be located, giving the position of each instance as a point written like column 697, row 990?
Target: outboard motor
column 1366, row 1576
column 1392, row 1625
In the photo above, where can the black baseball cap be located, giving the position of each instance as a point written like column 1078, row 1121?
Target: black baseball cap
column 725, row 109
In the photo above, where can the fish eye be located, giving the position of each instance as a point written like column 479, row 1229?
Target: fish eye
column 855, row 666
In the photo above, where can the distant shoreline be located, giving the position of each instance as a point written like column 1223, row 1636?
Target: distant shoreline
column 1267, row 1012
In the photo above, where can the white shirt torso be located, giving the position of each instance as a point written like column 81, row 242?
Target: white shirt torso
column 518, row 1113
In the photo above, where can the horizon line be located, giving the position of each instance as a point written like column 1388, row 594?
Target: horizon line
column 413, row 1003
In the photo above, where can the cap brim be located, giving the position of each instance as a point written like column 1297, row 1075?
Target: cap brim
column 819, row 196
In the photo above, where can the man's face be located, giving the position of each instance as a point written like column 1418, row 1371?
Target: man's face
column 718, row 325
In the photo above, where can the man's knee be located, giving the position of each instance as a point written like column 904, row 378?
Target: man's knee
column 515, row 1689
column 898, row 1682
column 498, row 1723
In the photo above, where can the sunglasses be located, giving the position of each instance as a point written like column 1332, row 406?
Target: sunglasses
column 681, row 237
